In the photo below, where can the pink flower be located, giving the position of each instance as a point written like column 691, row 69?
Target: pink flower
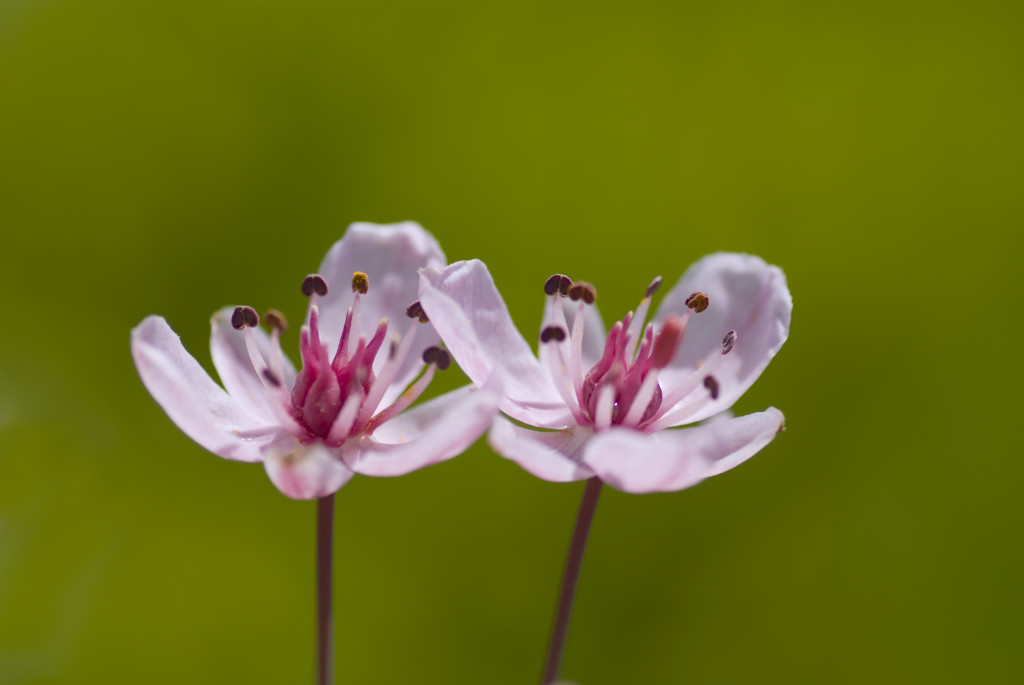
column 604, row 402
column 362, row 350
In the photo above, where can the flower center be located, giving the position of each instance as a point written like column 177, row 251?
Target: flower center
column 621, row 388
column 337, row 396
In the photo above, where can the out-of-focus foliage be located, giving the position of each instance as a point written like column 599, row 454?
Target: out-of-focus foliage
column 174, row 157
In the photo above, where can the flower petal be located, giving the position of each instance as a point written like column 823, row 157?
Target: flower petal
column 747, row 296
column 305, row 471
column 675, row 459
column 196, row 404
column 391, row 255
column 467, row 310
column 553, row 456
column 433, row 432
column 231, row 359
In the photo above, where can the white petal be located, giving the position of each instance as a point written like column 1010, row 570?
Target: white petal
column 390, row 255
column 196, row 404
column 231, row 359
column 747, row 296
column 433, row 432
column 675, row 459
column 305, row 471
column 552, row 455
column 466, row 309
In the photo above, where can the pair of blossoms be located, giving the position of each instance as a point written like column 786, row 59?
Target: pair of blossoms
column 591, row 403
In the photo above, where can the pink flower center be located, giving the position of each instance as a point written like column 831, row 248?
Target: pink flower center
column 621, row 388
column 337, row 396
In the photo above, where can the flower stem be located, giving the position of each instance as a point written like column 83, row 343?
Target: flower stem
column 324, row 590
column 573, row 561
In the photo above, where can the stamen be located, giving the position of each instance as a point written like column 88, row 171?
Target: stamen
column 360, row 283
column 556, row 333
column 415, row 311
column 653, row 287
column 244, row 316
column 581, row 290
column 557, row 284
column 712, row 385
column 271, row 378
column 438, row 357
column 667, row 341
column 275, row 320
column 728, row 342
column 314, row 283
column 698, row 302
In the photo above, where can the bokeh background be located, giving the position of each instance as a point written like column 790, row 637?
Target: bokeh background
column 173, row 157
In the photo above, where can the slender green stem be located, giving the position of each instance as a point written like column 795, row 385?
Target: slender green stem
column 324, row 590
column 570, row 577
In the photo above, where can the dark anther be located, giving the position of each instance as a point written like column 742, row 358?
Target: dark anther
column 244, row 316
column 360, row 283
column 712, row 385
column 698, row 302
column 415, row 310
column 552, row 333
column 581, row 290
column 437, row 356
column 557, row 284
column 271, row 378
column 728, row 342
column 275, row 319
column 653, row 287
column 314, row 283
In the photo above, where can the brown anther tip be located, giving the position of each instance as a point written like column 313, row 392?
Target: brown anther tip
column 728, row 342
column 275, row 320
column 244, row 316
column 271, row 378
column 360, row 283
column 698, row 302
column 581, row 290
column 415, row 310
column 653, row 287
column 558, row 283
column 314, row 283
column 712, row 385
column 550, row 333
column 435, row 355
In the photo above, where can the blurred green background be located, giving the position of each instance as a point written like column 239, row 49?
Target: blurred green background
column 173, row 157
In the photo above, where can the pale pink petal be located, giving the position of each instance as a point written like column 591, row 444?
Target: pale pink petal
column 675, row 459
column 231, row 359
column 467, row 310
column 747, row 296
column 196, row 404
column 305, row 471
column 391, row 255
column 430, row 433
column 553, row 456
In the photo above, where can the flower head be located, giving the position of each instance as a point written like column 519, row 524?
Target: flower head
column 604, row 401
column 362, row 348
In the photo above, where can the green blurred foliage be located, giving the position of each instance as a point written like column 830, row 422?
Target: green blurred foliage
column 173, row 157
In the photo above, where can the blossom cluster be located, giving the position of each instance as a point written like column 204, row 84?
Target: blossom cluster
column 386, row 312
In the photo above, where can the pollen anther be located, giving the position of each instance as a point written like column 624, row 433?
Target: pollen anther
column 728, row 342
column 360, row 283
column 244, row 316
column 653, row 287
column 712, row 385
column 698, row 302
column 275, row 320
column 435, row 355
column 550, row 333
column 314, row 283
column 557, row 284
column 581, row 290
